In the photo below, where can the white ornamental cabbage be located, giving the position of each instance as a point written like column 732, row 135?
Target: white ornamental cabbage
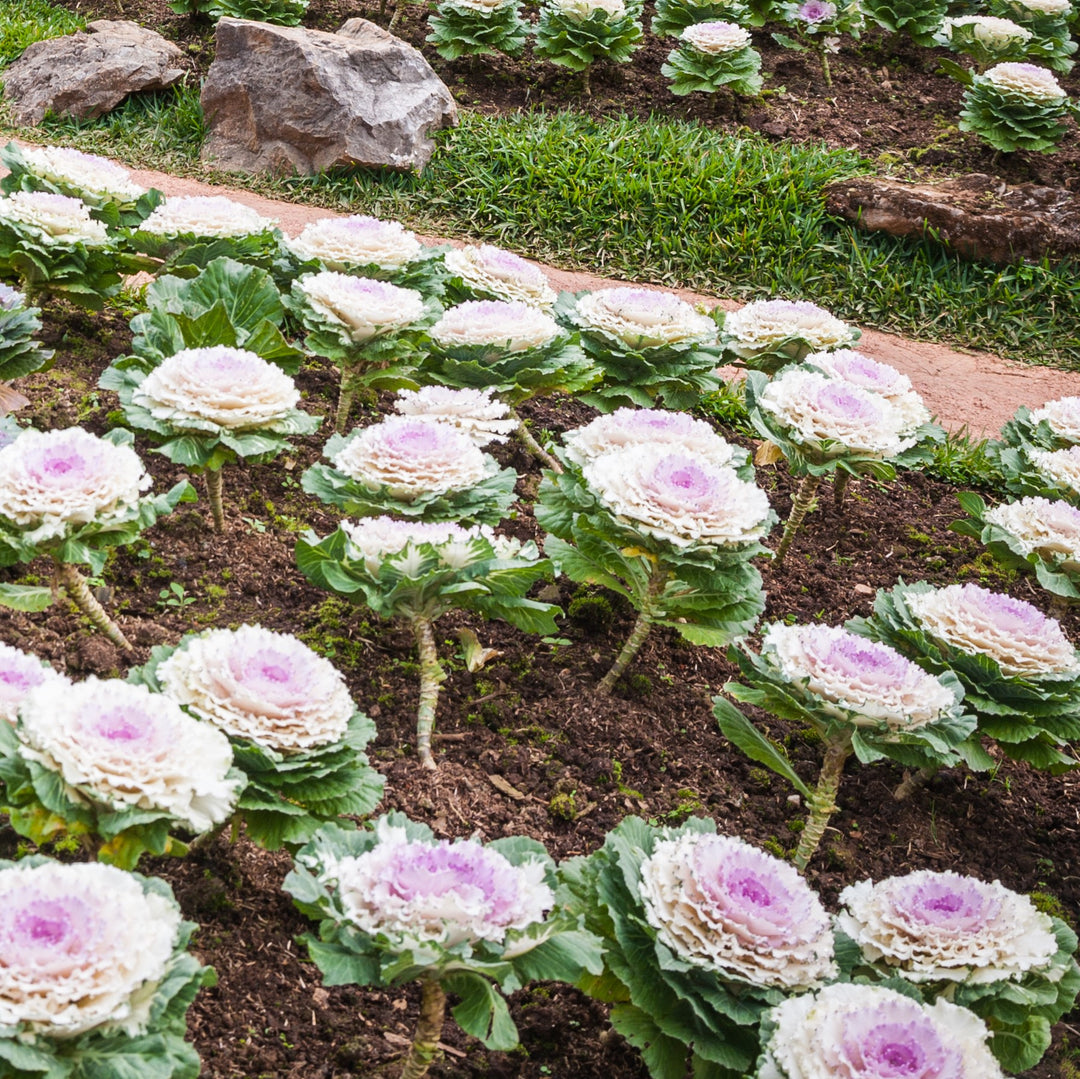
column 765, row 324
column 10, row 298
column 1050, row 529
column 82, row 947
column 367, row 308
column 483, row 7
column 57, row 218
column 869, row 1032
column 720, row 903
column 679, row 497
column 443, row 892
column 815, row 408
column 50, row 480
column 877, row 377
column 933, row 927
column 475, row 412
column 580, row 10
column 715, row 38
column 1060, row 467
column 1022, row 640
column 1046, row 7
column 1026, row 80
column 358, row 240
column 501, row 273
column 126, row 747
column 862, row 682
column 412, row 457
column 96, row 176
column 205, row 215
column 231, row 387
column 993, row 33
column 1063, row 416
column 643, row 318
column 374, row 539
column 266, row 687
column 20, row 673
column 678, row 431
column 510, row 325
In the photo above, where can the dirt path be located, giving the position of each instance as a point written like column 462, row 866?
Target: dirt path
column 975, row 389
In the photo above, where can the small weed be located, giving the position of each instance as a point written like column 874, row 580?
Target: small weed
column 176, row 597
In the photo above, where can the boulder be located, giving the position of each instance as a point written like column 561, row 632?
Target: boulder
column 284, row 99
column 978, row 216
column 88, row 73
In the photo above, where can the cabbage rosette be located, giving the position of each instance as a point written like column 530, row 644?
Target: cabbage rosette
column 116, row 762
column 1020, row 673
column 77, row 998
column 485, row 272
column 665, row 527
column 873, row 1032
column 484, row 418
column 414, row 467
column 369, row 247
column 711, row 55
column 862, row 698
column 702, row 934
column 1048, row 21
column 107, row 188
column 395, row 905
column 649, row 344
column 20, row 672
column 295, row 731
column 1034, row 534
column 767, row 335
column 976, row 944
column 185, row 233
column 1014, row 106
column 511, row 347
column 53, row 246
column 576, row 33
column 416, row 571
column 672, row 17
column 477, row 28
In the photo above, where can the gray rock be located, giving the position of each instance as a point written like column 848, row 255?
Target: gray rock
column 86, row 74
column 285, row 99
column 977, row 216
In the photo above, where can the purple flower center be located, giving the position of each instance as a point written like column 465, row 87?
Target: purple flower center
column 1008, row 614
column 121, row 725
column 20, row 680
column 684, row 476
column 865, row 660
column 896, row 1040
column 416, row 439
column 843, row 401
column 40, row 928
column 947, row 901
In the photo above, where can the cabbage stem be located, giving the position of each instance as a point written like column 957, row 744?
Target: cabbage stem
column 801, row 505
column 344, row 406
column 913, row 781
column 431, row 677
column 425, row 1043
column 822, row 804
column 214, row 486
column 528, row 440
column 839, row 488
column 657, row 580
column 76, row 587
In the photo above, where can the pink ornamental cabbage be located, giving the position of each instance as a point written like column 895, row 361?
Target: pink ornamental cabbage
column 262, row 686
column 482, row 417
column 867, row 1032
column 862, row 682
column 720, row 903
column 642, row 317
column 82, row 947
column 682, row 498
column 501, row 273
column 679, row 431
column 767, row 324
column 412, row 457
column 815, row 11
column 934, row 927
column 444, row 892
column 19, row 674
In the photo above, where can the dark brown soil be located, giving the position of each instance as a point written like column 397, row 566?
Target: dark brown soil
column 887, row 101
column 525, row 746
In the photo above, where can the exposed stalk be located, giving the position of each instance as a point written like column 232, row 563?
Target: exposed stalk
column 586, row 82
column 344, row 406
column 839, row 489
column 431, row 677
column 214, row 486
column 913, row 781
column 801, row 505
column 822, row 804
column 826, row 70
column 76, row 587
column 1059, row 606
column 425, row 1043
column 657, row 580
column 527, row 439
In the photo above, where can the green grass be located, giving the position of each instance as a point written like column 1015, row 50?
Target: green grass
column 23, row 22
column 664, row 202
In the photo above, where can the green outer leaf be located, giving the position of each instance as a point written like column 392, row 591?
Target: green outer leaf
column 24, row 597
column 482, row 1012
column 741, row 732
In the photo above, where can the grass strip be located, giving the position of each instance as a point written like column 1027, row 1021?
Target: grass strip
column 657, row 201
column 23, row 22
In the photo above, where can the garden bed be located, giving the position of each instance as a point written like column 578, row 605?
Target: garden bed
column 525, row 746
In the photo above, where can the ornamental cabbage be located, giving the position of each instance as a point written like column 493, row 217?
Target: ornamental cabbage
column 55, row 219
column 20, row 673
column 483, row 418
column 490, row 273
column 767, row 334
column 88, row 177
column 205, row 216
